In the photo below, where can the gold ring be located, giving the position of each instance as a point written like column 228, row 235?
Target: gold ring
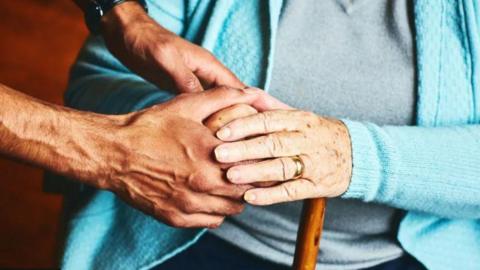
column 299, row 167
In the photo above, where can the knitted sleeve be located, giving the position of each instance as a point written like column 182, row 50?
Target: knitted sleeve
column 431, row 170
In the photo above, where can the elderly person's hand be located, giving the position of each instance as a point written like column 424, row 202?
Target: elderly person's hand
column 159, row 55
column 308, row 155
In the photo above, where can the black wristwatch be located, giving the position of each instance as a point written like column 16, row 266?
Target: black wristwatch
column 96, row 9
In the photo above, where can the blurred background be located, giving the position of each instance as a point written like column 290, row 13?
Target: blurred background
column 39, row 40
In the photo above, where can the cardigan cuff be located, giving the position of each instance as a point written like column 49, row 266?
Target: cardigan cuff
column 367, row 164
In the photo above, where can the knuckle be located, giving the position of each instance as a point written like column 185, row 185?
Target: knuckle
column 270, row 144
column 199, row 184
column 265, row 120
column 189, row 206
column 285, row 168
column 274, row 144
column 307, row 164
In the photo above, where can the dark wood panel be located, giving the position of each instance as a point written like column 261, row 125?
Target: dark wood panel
column 39, row 40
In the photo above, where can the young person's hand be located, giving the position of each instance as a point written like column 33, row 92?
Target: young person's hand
column 161, row 160
column 159, row 55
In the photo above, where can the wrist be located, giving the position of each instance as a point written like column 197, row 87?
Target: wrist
column 347, row 150
column 99, row 149
column 121, row 16
column 342, row 141
column 129, row 148
column 366, row 168
column 72, row 143
column 83, row 146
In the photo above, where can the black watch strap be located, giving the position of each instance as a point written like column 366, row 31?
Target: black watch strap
column 96, row 9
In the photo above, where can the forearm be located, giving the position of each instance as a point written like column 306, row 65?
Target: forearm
column 62, row 140
column 432, row 170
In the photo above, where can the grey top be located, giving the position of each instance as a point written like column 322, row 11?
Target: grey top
column 346, row 59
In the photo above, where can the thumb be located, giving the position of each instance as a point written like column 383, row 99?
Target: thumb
column 184, row 79
column 213, row 73
column 209, row 70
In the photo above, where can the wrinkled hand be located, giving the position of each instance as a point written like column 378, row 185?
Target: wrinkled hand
column 323, row 145
column 160, row 56
column 162, row 160
column 225, row 116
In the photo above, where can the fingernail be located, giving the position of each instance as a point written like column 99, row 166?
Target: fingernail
column 233, row 175
column 224, row 133
column 250, row 197
column 221, row 153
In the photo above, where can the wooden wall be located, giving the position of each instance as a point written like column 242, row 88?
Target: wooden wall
column 39, row 40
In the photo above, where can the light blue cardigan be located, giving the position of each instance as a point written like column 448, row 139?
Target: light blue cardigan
column 432, row 171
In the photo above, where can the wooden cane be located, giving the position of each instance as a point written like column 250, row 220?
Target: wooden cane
column 309, row 234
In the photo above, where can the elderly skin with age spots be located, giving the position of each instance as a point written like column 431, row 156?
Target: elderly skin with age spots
column 322, row 144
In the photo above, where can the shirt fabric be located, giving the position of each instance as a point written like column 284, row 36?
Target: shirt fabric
column 345, row 59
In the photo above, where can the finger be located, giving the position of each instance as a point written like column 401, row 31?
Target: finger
column 221, row 118
column 175, row 217
column 205, row 103
column 229, row 190
column 266, row 102
column 208, row 102
column 212, row 72
column 286, row 192
column 279, row 169
column 208, row 204
column 185, row 80
column 265, row 184
column 212, row 181
column 263, row 123
column 280, row 144
column 180, row 220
